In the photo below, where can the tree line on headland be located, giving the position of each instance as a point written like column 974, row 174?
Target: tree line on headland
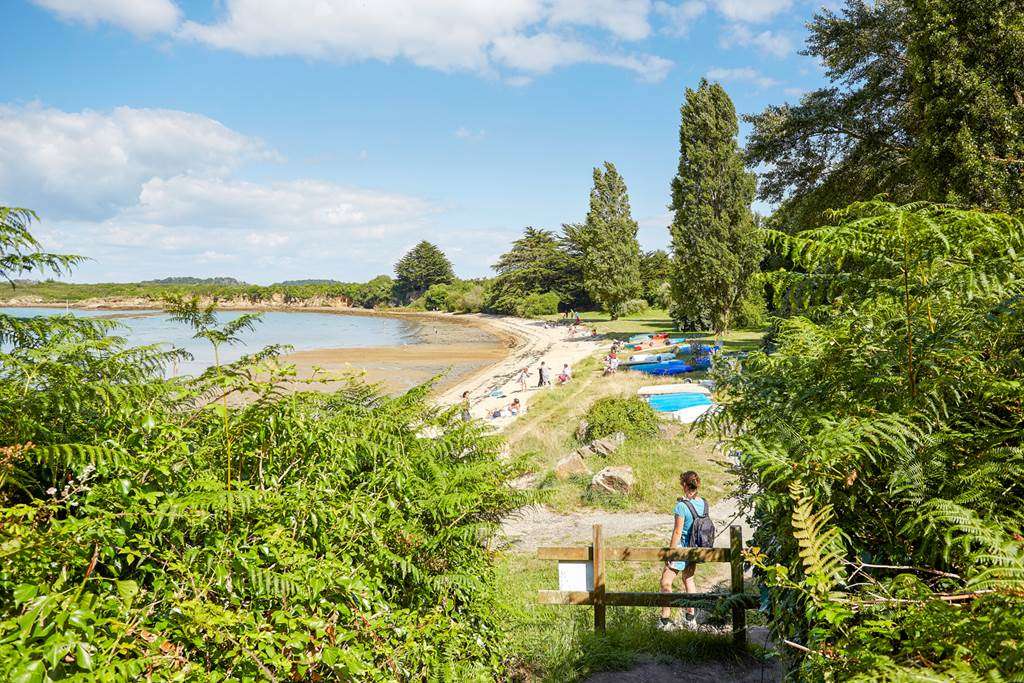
column 157, row 527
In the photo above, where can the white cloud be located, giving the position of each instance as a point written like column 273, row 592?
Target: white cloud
column 464, row 133
column 626, row 19
column 89, row 164
column 142, row 17
column 678, row 18
column 770, row 42
column 456, row 35
column 268, row 229
column 752, row 10
column 449, row 35
column 542, row 52
column 744, row 74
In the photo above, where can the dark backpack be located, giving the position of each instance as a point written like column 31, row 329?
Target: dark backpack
column 702, row 532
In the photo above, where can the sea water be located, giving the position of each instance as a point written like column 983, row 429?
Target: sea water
column 301, row 330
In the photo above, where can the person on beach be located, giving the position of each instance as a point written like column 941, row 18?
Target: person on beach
column 542, row 375
column 565, row 375
column 687, row 508
column 515, row 407
column 524, row 375
column 466, row 415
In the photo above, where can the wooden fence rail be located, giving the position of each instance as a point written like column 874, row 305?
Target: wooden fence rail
column 600, row 598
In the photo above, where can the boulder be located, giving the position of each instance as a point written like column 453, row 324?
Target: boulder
column 570, row 465
column 617, row 479
column 608, row 444
column 581, row 430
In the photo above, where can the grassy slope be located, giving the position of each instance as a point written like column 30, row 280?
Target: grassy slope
column 556, row 643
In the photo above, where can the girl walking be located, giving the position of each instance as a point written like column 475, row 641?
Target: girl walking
column 689, row 506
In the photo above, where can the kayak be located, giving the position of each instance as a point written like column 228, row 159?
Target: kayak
column 692, row 414
column 649, row 358
column 668, row 403
column 688, row 387
column 672, row 367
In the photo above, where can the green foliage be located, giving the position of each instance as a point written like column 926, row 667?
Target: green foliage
column 423, row 266
column 536, row 263
column 880, row 446
column 346, row 545
column 20, row 252
column 459, row 297
column 925, row 103
column 635, row 307
column 537, row 305
column 631, row 415
column 655, row 270
column 715, row 243
column 607, row 243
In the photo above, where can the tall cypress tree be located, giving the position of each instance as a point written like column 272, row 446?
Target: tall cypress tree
column 714, row 238
column 607, row 242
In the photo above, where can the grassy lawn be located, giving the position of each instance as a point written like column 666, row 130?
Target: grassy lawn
column 557, row 642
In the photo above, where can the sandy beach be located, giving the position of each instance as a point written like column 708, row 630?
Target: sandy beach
column 478, row 353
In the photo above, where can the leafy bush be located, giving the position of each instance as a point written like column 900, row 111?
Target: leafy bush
column 468, row 301
column 436, row 298
column 881, row 447
column 635, row 307
column 536, row 305
column 220, row 528
column 631, row 416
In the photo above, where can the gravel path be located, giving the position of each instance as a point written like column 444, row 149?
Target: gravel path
column 527, row 528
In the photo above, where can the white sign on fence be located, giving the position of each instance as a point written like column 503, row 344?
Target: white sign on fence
column 575, row 576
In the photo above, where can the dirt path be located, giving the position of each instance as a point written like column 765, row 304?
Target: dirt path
column 525, row 529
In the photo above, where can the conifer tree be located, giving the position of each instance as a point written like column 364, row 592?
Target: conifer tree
column 715, row 242
column 608, row 244
column 424, row 265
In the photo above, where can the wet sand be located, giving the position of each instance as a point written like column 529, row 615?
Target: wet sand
column 450, row 348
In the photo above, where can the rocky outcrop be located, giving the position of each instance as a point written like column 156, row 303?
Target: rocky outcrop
column 617, row 480
column 605, row 446
column 570, row 465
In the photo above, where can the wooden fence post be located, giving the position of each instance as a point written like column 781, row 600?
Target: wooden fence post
column 739, row 615
column 599, row 589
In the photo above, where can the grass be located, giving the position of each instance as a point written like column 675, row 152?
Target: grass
column 547, row 432
column 657, row 320
column 557, row 642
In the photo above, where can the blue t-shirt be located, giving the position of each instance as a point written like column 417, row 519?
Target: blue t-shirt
column 700, row 505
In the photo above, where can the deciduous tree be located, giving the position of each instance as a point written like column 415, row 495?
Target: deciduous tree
column 715, row 242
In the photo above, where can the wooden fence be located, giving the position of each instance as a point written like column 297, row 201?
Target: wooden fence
column 600, row 597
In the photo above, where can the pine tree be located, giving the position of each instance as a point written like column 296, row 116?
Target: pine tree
column 607, row 242
column 715, row 242
column 424, row 265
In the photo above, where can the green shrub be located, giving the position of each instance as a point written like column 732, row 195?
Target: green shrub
column 436, row 298
column 151, row 530
column 753, row 310
column 536, row 305
column 635, row 307
column 629, row 415
column 880, row 447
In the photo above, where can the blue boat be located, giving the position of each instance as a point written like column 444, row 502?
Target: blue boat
column 673, row 367
column 668, row 403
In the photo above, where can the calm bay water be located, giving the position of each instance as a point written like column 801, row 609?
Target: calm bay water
column 301, row 330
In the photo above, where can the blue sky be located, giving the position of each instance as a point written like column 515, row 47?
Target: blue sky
column 282, row 139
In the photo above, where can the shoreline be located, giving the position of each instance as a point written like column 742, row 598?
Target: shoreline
column 485, row 367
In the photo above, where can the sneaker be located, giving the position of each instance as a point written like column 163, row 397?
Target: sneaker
column 667, row 625
column 687, row 623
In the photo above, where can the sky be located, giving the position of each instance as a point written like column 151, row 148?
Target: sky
column 286, row 139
